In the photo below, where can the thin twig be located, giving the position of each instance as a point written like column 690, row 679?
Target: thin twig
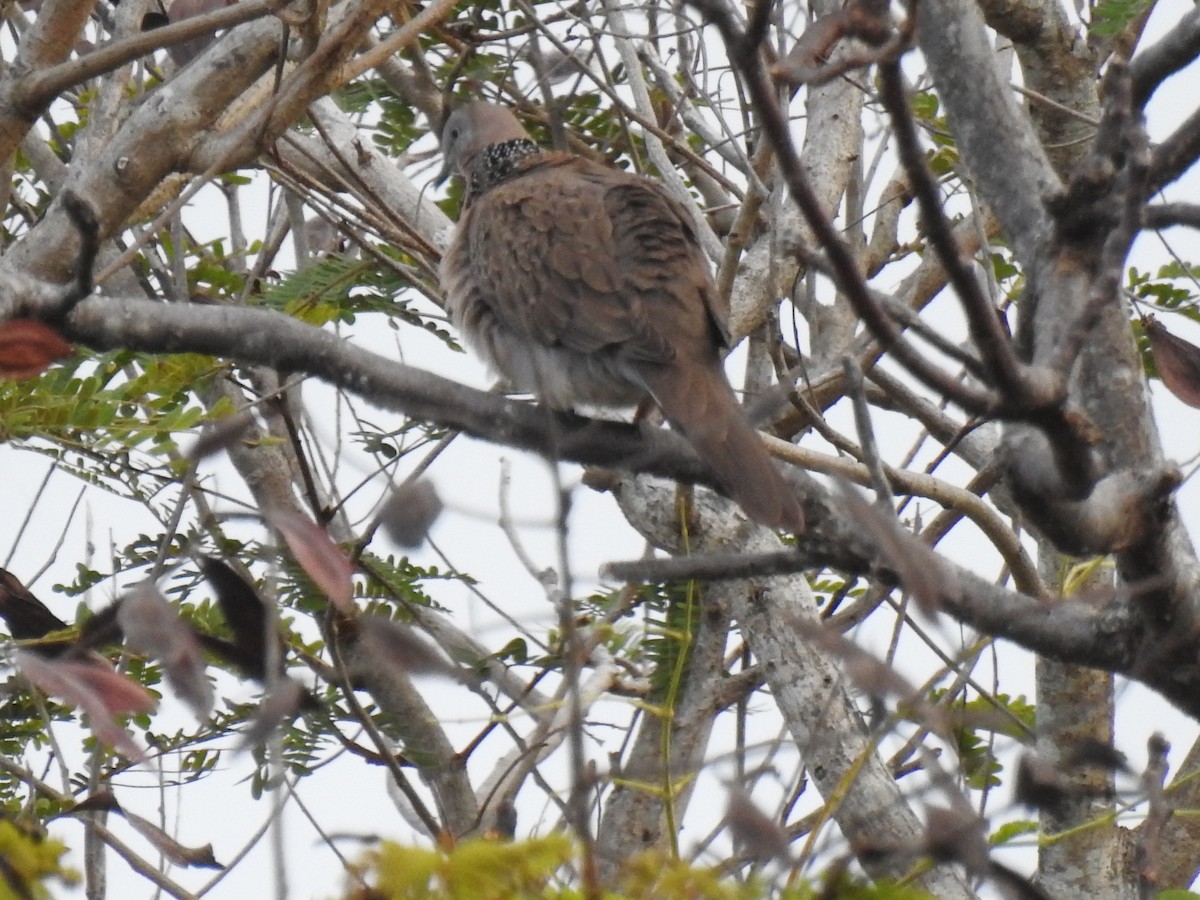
column 842, row 259
column 866, row 435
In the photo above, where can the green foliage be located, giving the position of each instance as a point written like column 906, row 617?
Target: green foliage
column 925, row 106
column 140, row 552
column 832, row 590
column 338, row 287
column 651, row 875
column 472, row 870
column 979, row 763
column 1010, row 831
column 602, row 127
column 28, row 861
column 395, row 578
column 212, row 276
column 1008, row 276
column 844, row 887
column 92, row 412
column 1175, row 287
column 300, row 746
column 515, row 652
column 24, row 731
column 943, row 160
column 1110, row 17
column 484, row 869
column 672, row 613
column 397, row 128
column 389, row 445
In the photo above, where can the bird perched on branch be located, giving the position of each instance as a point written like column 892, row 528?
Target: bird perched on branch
column 583, row 284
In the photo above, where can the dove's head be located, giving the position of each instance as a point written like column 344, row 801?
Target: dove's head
column 470, row 130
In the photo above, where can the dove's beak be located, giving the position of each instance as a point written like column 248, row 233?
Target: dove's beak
column 446, row 172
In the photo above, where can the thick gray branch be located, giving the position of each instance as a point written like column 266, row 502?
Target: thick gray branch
column 266, row 338
column 994, row 136
column 814, row 698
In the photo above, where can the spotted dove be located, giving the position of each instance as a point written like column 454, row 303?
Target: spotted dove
column 583, row 284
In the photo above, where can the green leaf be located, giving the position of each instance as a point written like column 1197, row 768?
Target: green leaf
column 1109, row 17
column 1010, row 831
column 925, row 106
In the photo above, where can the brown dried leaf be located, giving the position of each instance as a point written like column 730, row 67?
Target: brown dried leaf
column 101, row 630
column 876, row 678
column 104, row 800
column 957, row 835
column 246, row 614
column 1178, row 361
column 281, row 704
column 196, row 857
column 811, row 51
column 27, row 347
column 919, row 569
column 96, row 689
column 1039, row 784
column 153, row 628
column 396, row 645
column 100, row 800
column 1014, row 885
column 1090, row 753
column 754, row 832
column 410, row 511
column 322, row 560
column 26, row 616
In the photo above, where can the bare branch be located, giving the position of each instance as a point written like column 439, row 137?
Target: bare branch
column 1154, row 65
column 994, row 136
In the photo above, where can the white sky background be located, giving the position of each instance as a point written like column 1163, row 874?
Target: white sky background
column 350, row 799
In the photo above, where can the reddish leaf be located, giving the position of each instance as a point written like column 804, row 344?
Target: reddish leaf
column 1178, row 361
column 27, row 347
column 319, row 556
column 96, row 689
column 153, row 628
